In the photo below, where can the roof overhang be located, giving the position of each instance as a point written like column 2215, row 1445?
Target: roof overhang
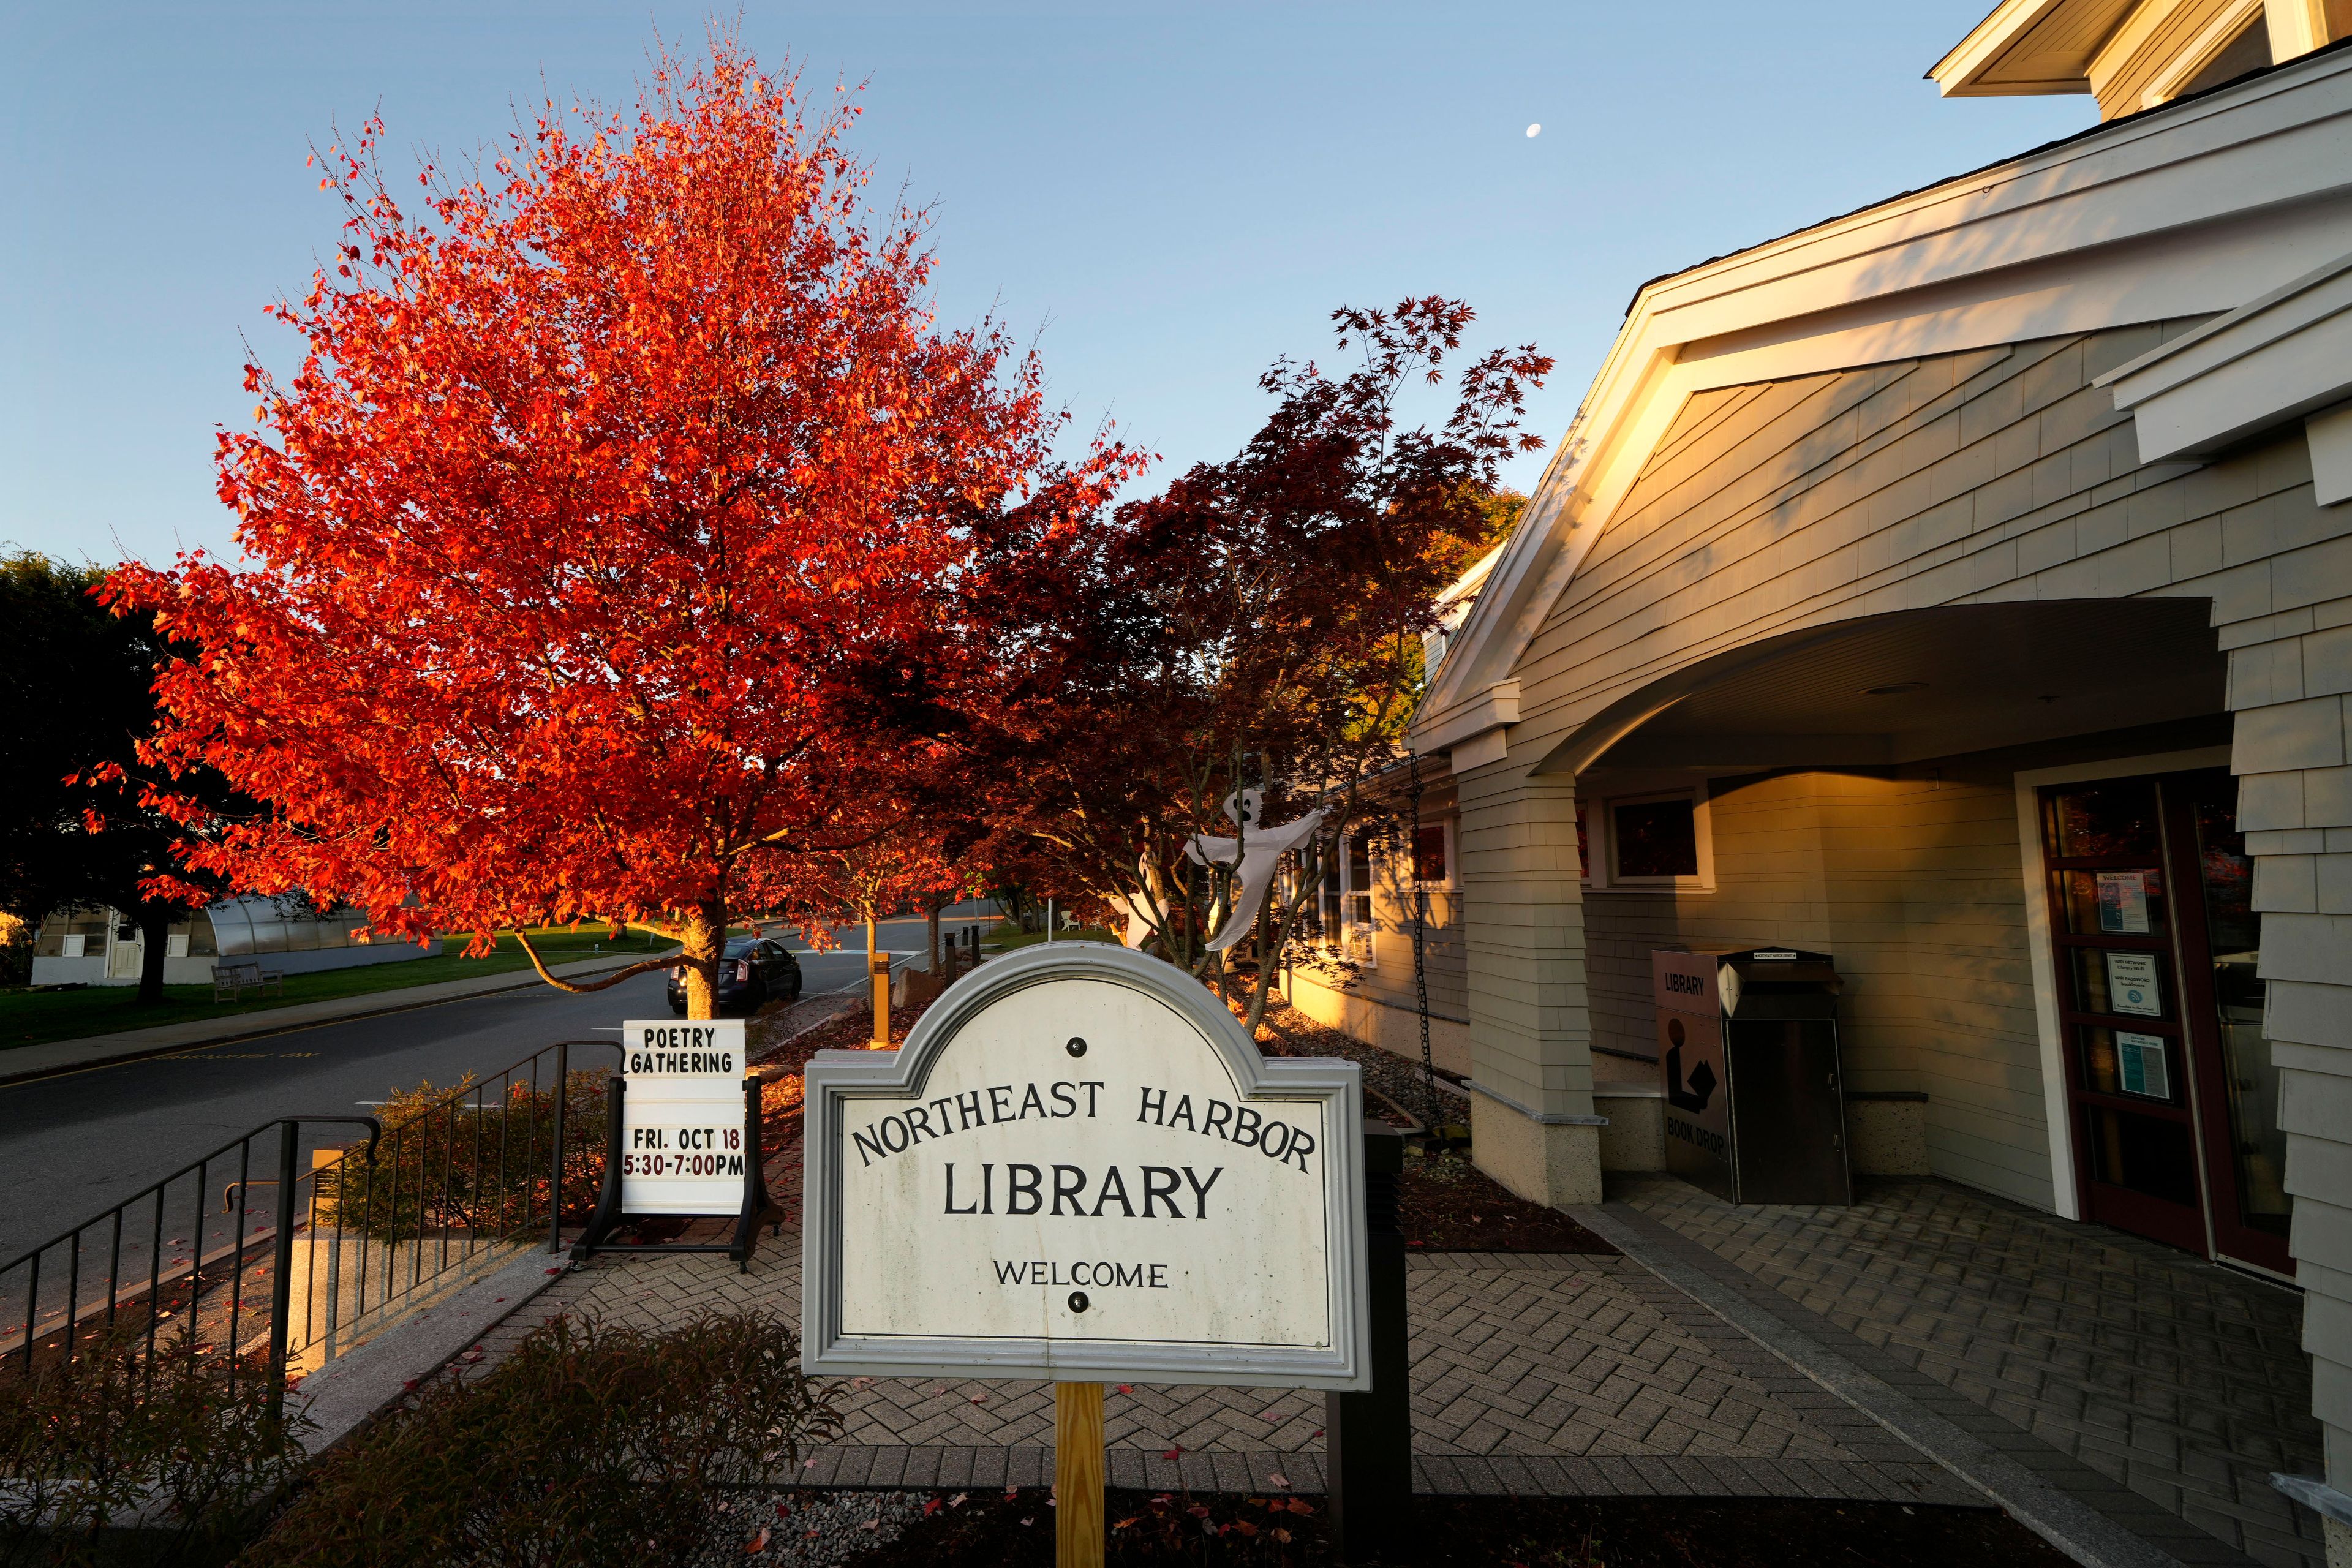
column 2186, row 211
column 2030, row 46
column 2272, row 361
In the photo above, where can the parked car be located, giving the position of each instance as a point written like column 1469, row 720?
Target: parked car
column 753, row 971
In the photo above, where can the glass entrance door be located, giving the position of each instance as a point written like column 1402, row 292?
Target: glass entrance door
column 2174, row 1098
column 2237, row 1086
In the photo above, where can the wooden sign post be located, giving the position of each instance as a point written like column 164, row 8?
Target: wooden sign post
column 1079, row 1168
column 1078, row 1475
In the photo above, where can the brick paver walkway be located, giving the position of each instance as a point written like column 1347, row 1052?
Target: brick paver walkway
column 2148, row 1385
column 2183, row 1381
column 1532, row 1373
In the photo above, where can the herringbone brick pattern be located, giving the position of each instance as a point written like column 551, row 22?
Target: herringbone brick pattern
column 1545, row 1373
column 1604, row 1359
column 2181, row 1380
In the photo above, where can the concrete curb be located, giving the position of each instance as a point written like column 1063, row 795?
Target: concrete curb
column 58, row 1056
column 355, row 1387
column 2066, row 1522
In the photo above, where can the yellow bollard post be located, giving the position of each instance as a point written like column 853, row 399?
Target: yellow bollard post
column 878, row 967
column 1078, row 1475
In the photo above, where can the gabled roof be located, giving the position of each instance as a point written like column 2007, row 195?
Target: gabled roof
column 2189, row 209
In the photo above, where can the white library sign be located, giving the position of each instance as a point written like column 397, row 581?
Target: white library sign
column 682, row 1119
column 1079, row 1166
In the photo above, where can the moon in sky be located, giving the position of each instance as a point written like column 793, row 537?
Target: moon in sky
column 1534, row 132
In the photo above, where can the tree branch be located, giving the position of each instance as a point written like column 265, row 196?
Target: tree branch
column 631, row 972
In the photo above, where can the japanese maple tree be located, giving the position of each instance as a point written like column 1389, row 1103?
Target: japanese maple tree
column 605, row 547
column 1255, row 625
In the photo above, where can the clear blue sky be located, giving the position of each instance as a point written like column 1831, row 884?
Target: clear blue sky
column 1173, row 194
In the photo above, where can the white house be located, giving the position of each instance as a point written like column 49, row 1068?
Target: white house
column 1961, row 587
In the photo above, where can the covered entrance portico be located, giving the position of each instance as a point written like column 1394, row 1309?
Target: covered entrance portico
column 2013, row 827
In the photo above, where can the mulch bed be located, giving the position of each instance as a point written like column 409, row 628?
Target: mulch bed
column 989, row 1529
column 1447, row 1204
column 1286, row 1032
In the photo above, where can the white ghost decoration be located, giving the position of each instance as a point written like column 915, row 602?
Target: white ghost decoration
column 1257, row 863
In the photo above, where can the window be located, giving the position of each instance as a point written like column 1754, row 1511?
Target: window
column 84, row 935
column 1346, row 899
column 1653, row 838
column 1646, row 843
column 1430, row 862
column 1306, row 925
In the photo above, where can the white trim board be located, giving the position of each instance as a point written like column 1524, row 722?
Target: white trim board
column 2054, row 1100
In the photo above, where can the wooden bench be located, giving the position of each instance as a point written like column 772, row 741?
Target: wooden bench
column 230, row 980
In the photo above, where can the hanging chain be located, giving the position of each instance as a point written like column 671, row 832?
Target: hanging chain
column 1420, row 956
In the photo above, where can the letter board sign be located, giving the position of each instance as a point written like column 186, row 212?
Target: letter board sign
column 682, row 1118
column 1080, row 1167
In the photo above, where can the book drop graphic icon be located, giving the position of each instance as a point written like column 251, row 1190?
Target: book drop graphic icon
column 1701, row 1088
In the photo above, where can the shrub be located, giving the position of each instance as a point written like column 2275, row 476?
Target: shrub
column 118, row 1456
column 451, row 1162
column 589, row 1446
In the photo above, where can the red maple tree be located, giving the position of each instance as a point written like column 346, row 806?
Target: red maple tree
column 603, row 550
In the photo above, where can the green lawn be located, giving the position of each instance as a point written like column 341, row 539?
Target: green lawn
column 34, row 1017
column 1008, row 936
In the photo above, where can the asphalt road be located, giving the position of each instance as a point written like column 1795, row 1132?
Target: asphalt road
column 73, row 1145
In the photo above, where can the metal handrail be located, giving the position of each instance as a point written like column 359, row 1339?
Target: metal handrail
column 414, row 1157
column 210, row 1283
column 195, row 1164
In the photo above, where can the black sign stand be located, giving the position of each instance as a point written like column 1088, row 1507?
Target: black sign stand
column 1369, row 1441
column 757, row 1205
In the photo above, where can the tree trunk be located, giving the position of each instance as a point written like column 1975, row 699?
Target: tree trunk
column 155, row 937
column 933, row 911
column 702, row 941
